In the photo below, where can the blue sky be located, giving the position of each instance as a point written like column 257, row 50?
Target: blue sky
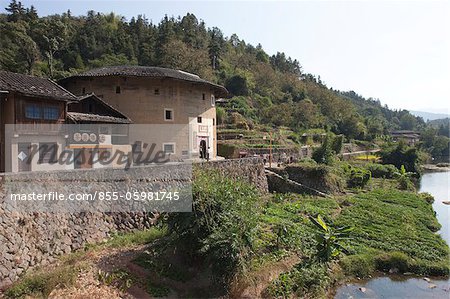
column 397, row 51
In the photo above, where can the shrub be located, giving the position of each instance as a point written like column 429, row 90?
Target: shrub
column 401, row 154
column 360, row 265
column 222, row 226
column 393, row 260
column 305, row 280
column 359, row 177
column 324, row 154
column 43, row 282
column 329, row 239
column 427, row 197
column 386, row 171
column 431, row 268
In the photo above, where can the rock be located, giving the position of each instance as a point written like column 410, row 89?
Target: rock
column 426, row 279
column 446, row 202
column 432, row 286
column 393, row 270
column 362, row 289
column 408, row 273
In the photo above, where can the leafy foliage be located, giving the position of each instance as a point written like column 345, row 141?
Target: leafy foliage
column 359, row 177
column 222, row 226
column 401, row 155
column 329, row 239
column 275, row 89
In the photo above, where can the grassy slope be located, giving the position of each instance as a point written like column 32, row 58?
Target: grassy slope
column 393, row 229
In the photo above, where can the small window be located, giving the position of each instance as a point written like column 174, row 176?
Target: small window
column 199, row 119
column 214, row 121
column 157, row 91
column 203, row 96
column 83, row 91
column 33, row 111
column 47, row 152
column 51, row 113
column 213, row 100
column 169, row 148
column 117, row 89
column 137, row 147
column 168, row 114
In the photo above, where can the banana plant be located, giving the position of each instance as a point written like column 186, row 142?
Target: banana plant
column 329, row 239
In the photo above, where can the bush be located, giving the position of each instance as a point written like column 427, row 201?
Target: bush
column 360, row 265
column 393, row 260
column 324, row 154
column 387, row 171
column 222, row 226
column 359, row 177
column 43, row 282
column 306, row 280
column 401, row 154
column 427, row 197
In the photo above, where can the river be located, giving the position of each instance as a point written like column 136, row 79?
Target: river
column 437, row 184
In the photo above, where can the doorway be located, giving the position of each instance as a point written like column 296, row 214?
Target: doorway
column 24, row 156
column 203, row 149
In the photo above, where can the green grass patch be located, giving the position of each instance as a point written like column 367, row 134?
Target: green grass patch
column 40, row 283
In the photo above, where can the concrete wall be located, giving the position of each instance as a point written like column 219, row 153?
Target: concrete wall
column 30, row 239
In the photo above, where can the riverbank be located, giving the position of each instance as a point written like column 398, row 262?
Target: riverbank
column 408, row 286
column 443, row 167
column 267, row 245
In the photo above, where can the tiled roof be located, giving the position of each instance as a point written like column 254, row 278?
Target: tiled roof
column 113, row 110
column 33, row 86
column 149, row 71
column 86, row 117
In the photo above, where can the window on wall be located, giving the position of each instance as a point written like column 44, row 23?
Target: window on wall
column 203, row 96
column 47, row 152
column 117, row 89
column 169, row 148
column 83, row 91
column 51, row 113
column 157, row 91
column 33, row 111
column 199, row 119
column 213, row 100
column 168, row 114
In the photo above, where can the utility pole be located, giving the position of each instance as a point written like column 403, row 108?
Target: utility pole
column 270, row 150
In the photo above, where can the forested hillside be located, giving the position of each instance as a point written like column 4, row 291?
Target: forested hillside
column 266, row 89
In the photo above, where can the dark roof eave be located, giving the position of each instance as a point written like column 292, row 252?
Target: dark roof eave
column 149, row 72
column 48, row 97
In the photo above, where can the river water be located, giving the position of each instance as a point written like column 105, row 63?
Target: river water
column 437, row 184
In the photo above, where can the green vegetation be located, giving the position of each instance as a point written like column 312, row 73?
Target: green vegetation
column 358, row 178
column 270, row 90
column 387, row 171
column 329, row 239
column 234, row 233
column 401, row 155
column 221, row 228
column 40, row 282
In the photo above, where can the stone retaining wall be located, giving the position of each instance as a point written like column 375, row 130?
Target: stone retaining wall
column 30, row 239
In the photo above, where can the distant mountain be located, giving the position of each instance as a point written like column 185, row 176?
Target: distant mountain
column 427, row 116
column 441, row 121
